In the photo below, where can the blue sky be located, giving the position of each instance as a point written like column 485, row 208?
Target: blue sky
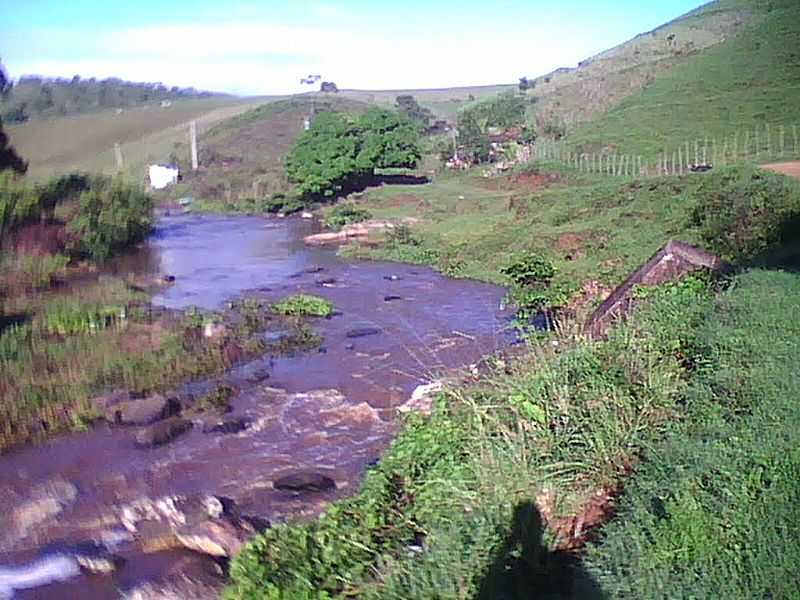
column 265, row 47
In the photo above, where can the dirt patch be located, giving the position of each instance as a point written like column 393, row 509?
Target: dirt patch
column 525, row 182
column 792, row 169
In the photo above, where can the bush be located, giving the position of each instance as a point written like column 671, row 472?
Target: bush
column 345, row 214
column 744, row 212
column 19, row 203
column 37, row 271
column 112, row 216
column 281, row 203
column 304, row 305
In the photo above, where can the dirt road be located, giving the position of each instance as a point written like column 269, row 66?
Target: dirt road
column 792, row 169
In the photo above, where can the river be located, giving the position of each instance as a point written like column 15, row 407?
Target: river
column 425, row 323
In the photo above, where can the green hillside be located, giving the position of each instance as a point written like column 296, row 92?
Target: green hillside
column 749, row 82
column 575, row 95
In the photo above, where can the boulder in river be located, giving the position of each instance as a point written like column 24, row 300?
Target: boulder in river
column 162, row 432
column 363, row 332
column 304, row 482
column 141, row 411
column 95, row 559
column 214, row 537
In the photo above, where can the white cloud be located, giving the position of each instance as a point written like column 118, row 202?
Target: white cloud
column 270, row 58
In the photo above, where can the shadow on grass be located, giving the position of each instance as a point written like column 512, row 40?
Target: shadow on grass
column 525, row 569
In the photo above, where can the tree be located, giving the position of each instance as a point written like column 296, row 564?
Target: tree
column 328, row 86
column 408, row 106
column 389, row 140
column 9, row 159
column 325, row 156
column 473, row 141
column 339, row 150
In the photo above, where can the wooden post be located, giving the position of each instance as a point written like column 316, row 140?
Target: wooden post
column 705, row 151
column 714, row 152
column 696, row 153
column 193, row 136
column 686, row 156
column 755, row 138
column 794, row 133
column 769, row 140
column 783, row 141
column 680, row 160
column 118, row 156
column 255, row 189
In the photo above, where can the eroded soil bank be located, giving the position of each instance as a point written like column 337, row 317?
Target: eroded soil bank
column 395, row 327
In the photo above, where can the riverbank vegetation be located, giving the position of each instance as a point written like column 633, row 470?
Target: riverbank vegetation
column 512, row 481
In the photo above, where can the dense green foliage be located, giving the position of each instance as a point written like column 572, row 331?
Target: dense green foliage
column 345, row 214
column 112, row 215
column 504, row 110
column 37, row 97
column 8, row 157
column 304, row 305
column 339, row 150
column 744, row 212
column 713, row 509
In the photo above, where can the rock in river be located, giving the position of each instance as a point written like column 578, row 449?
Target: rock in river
column 46, row 501
column 162, row 433
column 363, row 332
column 304, row 482
column 215, row 537
column 141, row 411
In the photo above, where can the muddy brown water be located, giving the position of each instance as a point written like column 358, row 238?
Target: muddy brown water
column 426, row 323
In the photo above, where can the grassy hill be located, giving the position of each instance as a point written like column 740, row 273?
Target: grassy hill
column 146, row 134
column 242, row 156
column 576, row 95
column 34, row 97
column 750, row 81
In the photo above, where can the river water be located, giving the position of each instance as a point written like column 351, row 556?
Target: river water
column 426, row 323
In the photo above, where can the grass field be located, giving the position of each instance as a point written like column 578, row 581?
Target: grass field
column 752, row 80
column 577, row 95
column 146, row 134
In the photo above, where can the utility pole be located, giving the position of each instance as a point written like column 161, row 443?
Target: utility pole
column 193, row 136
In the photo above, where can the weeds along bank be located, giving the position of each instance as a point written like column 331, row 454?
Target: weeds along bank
column 683, row 421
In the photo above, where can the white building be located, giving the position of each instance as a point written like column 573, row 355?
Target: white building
column 162, row 176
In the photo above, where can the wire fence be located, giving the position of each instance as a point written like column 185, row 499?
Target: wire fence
column 760, row 144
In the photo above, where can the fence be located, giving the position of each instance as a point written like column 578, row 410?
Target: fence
column 760, row 144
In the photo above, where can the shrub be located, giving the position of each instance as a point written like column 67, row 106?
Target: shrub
column 345, row 214
column 744, row 212
column 304, row 305
column 281, row 203
column 112, row 215
column 37, row 271
column 19, row 203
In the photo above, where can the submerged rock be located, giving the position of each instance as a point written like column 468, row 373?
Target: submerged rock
column 304, row 482
column 363, row 332
column 214, row 537
column 162, row 433
column 47, row 501
column 228, row 426
column 391, row 298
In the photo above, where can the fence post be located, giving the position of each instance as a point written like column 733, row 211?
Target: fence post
column 193, row 139
column 755, row 138
column 714, row 151
column 783, row 141
column 705, row 151
column 769, row 140
column 118, row 155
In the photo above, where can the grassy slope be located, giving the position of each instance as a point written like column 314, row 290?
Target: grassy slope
column 86, row 142
column 750, row 80
column 242, row 157
column 444, row 103
column 715, row 508
column 600, row 82
column 591, row 227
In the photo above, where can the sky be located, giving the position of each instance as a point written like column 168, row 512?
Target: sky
column 251, row 48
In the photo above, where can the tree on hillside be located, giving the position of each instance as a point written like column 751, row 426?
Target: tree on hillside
column 389, row 140
column 339, row 150
column 409, row 106
column 9, row 159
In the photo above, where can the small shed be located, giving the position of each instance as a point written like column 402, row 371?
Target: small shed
column 162, row 176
